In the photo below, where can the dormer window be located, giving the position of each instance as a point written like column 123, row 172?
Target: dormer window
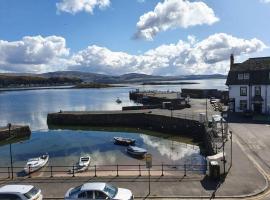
column 240, row 76
column 246, row 76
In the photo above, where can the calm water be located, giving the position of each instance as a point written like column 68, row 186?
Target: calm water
column 64, row 146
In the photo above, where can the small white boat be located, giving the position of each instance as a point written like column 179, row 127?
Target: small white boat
column 82, row 165
column 118, row 100
column 136, row 151
column 34, row 164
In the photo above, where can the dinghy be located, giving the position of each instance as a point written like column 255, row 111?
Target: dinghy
column 136, row 151
column 34, row 164
column 82, row 165
column 124, row 141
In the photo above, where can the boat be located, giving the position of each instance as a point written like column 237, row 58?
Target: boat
column 34, row 164
column 118, row 100
column 82, row 165
column 136, row 151
column 124, row 141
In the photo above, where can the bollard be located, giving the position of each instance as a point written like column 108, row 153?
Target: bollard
column 51, row 172
column 29, row 171
column 73, row 174
column 140, row 170
column 95, row 171
column 117, row 170
column 8, row 173
column 185, row 170
column 162, row 170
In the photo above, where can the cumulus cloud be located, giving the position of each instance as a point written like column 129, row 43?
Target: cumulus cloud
column 210, row 55
column 75, row 6
column 191, row 56
column 265, row 1
column 172, row 14
column 32, row 54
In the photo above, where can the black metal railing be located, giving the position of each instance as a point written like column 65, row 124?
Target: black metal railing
column 104, row 170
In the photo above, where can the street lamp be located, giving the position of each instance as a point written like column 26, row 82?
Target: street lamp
column 10, row 150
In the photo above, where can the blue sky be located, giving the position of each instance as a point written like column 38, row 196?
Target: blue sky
column 108, row 39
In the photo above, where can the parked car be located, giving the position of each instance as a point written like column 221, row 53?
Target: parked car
column 20, row 192
column 98, row 191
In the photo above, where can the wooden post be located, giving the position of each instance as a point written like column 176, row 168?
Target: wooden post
column 95, row 171
column 73, row 174
column 29, row 171
column 162, row 170
column 117, row 170
column 185, row 168
column 140, row 170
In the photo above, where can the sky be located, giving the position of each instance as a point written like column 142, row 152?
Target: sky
column 158, row 37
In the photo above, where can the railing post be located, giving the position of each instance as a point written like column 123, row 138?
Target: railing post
column 51, row 172
column 140, row 170
column 185, row 168
column 8, row 173
column 117, row 170
column 29, row 171
column 162, row 170
column 73, row 174
column 95, row 171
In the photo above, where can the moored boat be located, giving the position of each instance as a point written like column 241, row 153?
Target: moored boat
column 118, row 100
column 82, row 165
column 34, row 164
column 136, row 151
column 124, row 141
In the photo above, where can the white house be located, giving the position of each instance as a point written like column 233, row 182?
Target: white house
column 249, row 85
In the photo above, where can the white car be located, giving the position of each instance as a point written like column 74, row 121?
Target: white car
column 20, row 192
column 98, row 191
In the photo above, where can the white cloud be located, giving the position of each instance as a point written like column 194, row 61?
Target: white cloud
column 32, row 54
column 265, row 1
column 211, row 55
column 75, row 6
column 172, row 14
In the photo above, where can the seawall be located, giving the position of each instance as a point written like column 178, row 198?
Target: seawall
column 15, row 132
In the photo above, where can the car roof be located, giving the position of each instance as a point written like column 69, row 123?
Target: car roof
column 16, row 188
column 93, row 186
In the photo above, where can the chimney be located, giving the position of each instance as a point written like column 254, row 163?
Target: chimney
column 232, row 60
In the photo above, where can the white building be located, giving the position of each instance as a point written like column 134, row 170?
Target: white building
column 249, row 85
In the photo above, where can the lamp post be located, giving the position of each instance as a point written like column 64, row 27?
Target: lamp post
column 231, row 147
column 10, row 150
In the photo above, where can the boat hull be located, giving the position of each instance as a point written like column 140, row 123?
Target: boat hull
column 124, row 141
column 31, row 169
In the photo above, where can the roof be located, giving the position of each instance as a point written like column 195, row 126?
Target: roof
column 16, row 188
column 258, row 69
column 93, row 186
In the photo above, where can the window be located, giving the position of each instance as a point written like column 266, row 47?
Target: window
column 86, row 195
column 258, row 90
column 100, row 195
column 243, row 105
column 246, row 76
column 9, row 197
column 240, row 76
column 243, row 91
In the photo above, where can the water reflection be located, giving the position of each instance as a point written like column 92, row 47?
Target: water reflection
column 66, row 146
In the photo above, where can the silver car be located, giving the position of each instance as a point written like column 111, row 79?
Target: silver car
column 20, row 192
column 98, row 191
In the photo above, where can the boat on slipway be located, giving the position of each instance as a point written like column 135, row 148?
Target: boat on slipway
column 34, row 164
column 82, row 164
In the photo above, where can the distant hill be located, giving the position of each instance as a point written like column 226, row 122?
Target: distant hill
column 35, row 81
column 74, row 77
column 126, row 78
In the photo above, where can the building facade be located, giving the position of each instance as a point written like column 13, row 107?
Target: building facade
column 249, row 85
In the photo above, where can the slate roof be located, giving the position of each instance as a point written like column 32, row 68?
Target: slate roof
column 258, row 69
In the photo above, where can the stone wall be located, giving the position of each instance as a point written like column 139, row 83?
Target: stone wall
column 15, row 132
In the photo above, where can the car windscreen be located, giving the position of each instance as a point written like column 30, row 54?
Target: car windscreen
column 110, row 190
column 75, row 190
column 31, row 193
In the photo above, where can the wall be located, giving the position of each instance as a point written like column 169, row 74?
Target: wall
column 234, row 92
